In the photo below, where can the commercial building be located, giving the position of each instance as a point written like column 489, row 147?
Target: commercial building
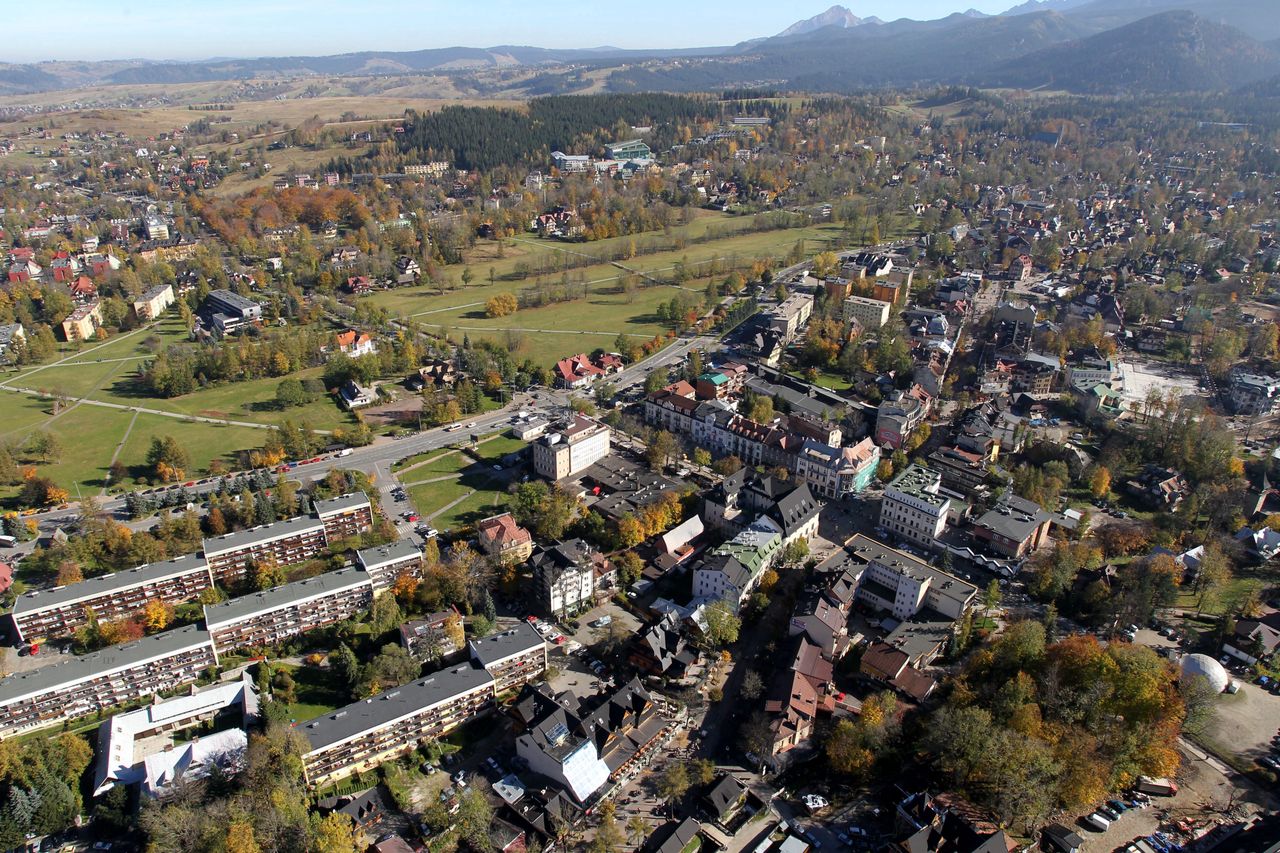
column 551, row 747
column 153, row 302
column 284, row 542
column 906, row 586
column 268, row 617
column 90, row 683
column 388, row 562
column 129, row 751
column 1014, row 527
column 570, row 449
column 568, row 164
column 1253, row 394
column 60, row 611
column 631, row 149
column 898, row 415
column 914, row 507
column 82, row 323
column 791, row 314
column 345, row 516
column 499, row 536
column 837, row 472
column 870, row 313
column 364, row 734
column 225, row 311
column 564, row 577
column 514, row 657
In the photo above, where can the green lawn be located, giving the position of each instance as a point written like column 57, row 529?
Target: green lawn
column 439, row 462
column 489, row 496
column 479, row 506
column 23, row 413
column 77, row 380
column 254, row 401
column 89, row 436
column 205, row 442
column 316, row 692
column 492, row 450
column 428, row 498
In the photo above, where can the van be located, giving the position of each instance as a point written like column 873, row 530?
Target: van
column 1097, row 821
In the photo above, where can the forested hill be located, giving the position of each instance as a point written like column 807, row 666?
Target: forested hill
column 485, row 137
column 1169, row 52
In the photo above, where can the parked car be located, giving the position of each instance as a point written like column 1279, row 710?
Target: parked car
column 1096, row 821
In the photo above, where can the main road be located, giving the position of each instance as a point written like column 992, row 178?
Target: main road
column 378, row 457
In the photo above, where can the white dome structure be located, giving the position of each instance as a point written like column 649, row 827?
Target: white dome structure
column 1208, row 669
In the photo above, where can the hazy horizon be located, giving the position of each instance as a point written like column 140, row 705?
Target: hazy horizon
column 238, row 29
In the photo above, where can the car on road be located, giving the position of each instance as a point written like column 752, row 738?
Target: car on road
column 413, row 518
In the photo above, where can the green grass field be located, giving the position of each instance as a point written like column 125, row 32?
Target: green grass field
column 479, row 506
column 205, row 442
column 430, row 498
column 481, row 492
column 316, row 692
column 89, row 436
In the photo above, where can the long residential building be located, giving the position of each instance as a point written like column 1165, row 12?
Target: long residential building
column 103, row 679
column 60, row 611
column 364, row 734
column 385, row 563
column 345, row 516
column 284, row 542
column 273, row 615
column 514, row 657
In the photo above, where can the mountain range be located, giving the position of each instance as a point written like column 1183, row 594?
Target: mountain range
column 1096, row 46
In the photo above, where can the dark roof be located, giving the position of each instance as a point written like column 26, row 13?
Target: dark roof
column 498, row 647
column 725, row 795
column 111, row 659
column 242, row 607
column 103, row 584
column 404, row 701
column 680, row 836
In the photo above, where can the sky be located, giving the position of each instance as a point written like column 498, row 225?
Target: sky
column 202, row 29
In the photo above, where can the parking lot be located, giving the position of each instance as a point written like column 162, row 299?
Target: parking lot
column 1207, row 790
column 1247, row 721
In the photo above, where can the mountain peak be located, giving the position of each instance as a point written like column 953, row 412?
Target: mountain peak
column 836, row 16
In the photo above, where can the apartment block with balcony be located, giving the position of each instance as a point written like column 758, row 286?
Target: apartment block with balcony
column 345, row 516
column 364, row 734
column 284, row 543
column 513, row 658
column 58, row 612
column 274, row 615
column 103, row 679
column 388, row 562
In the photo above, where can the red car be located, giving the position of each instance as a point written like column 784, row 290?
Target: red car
column 412, row 519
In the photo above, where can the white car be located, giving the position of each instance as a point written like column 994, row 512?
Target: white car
column 814, row 803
